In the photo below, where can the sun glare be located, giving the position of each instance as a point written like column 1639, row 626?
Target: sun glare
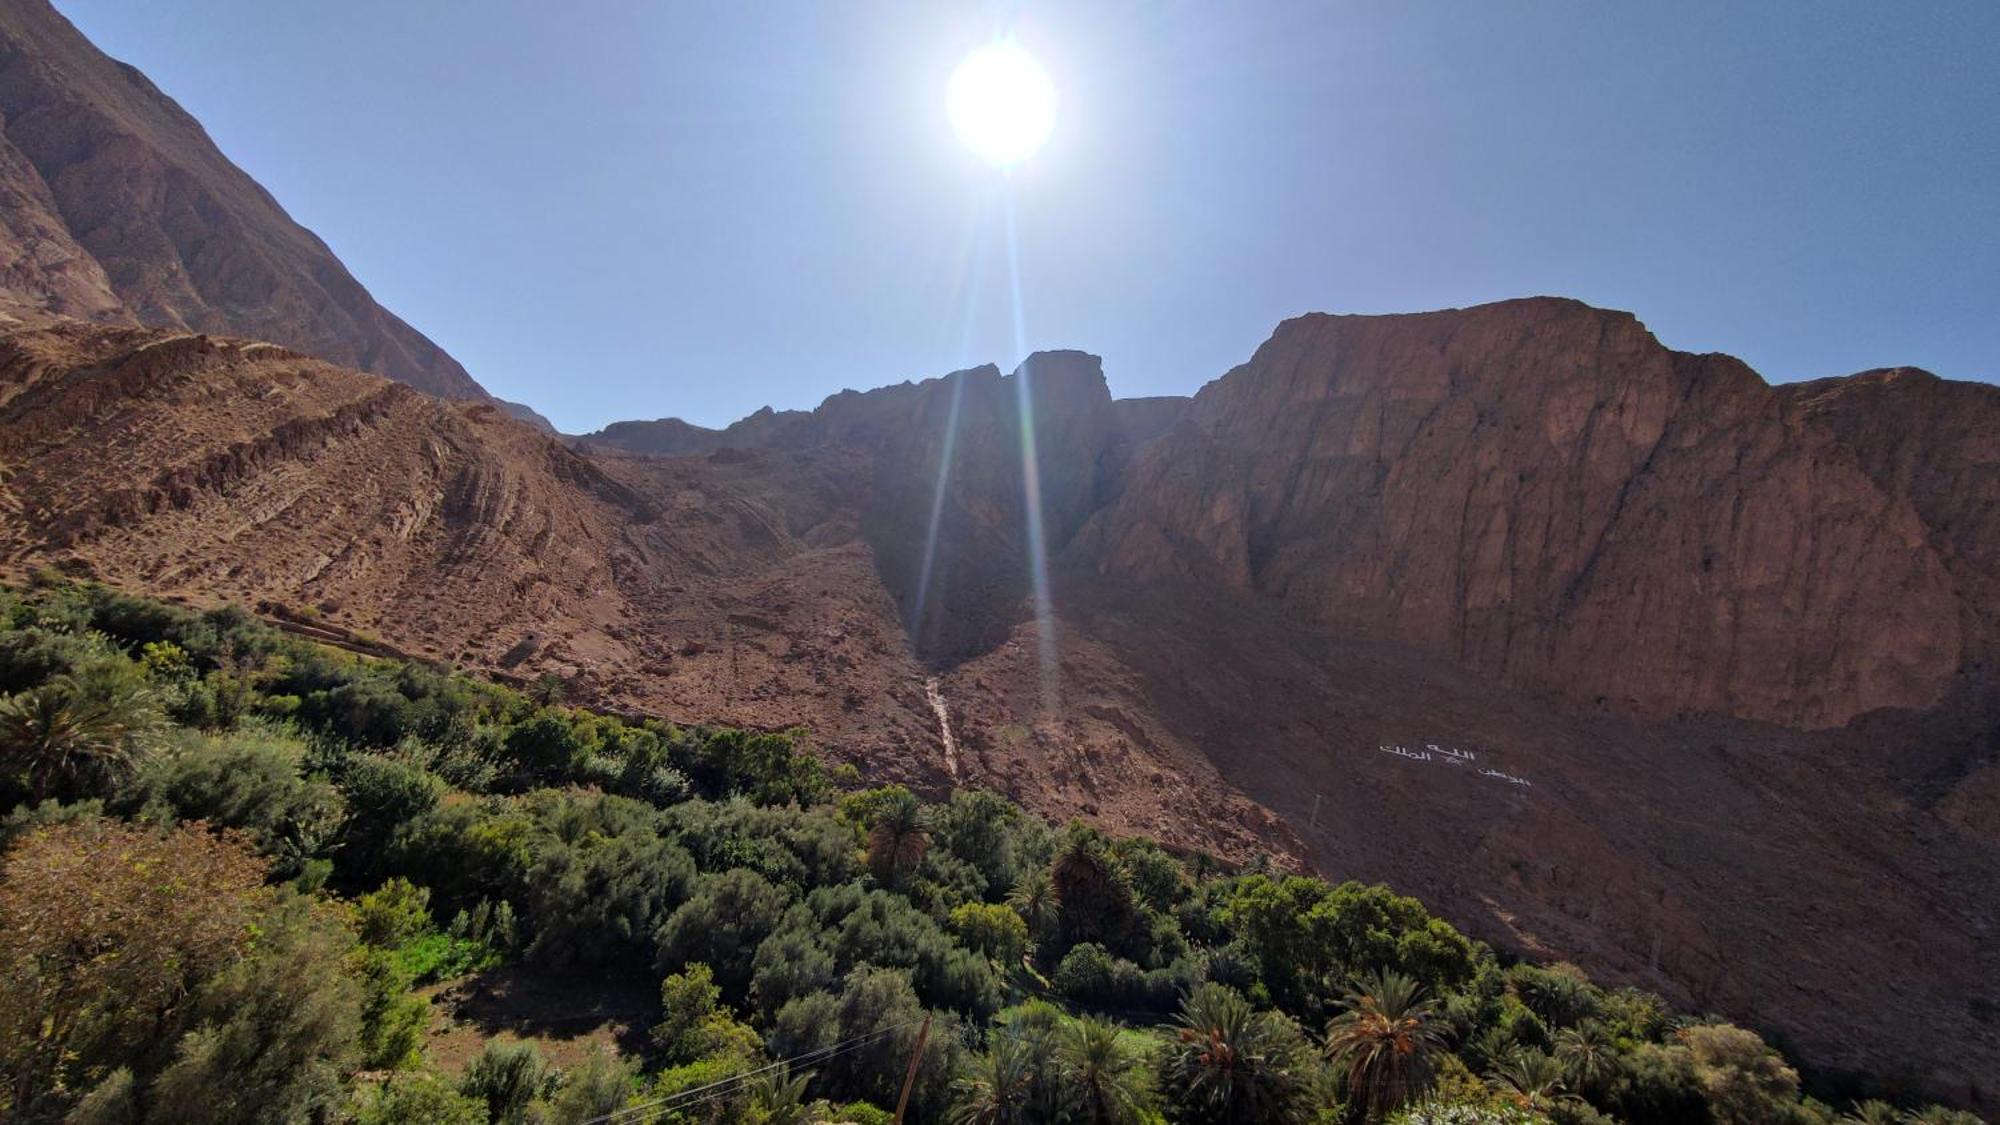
column 1002, row 103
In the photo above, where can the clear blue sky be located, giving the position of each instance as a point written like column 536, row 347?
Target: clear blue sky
column 618, row 210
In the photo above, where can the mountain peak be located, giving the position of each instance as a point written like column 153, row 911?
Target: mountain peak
column 116, row 206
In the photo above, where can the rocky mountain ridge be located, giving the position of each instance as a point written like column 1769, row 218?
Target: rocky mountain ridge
column 1607, row 651
column 115, row 206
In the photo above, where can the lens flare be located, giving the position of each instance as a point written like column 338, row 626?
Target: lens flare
column 1031, row 478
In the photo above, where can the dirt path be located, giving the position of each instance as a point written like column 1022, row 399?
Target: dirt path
column 936, row 697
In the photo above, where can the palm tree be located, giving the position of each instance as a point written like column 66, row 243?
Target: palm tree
column 1230, row 1063
column 1588, row 1054
column 780, row 1096
column 1093, row 899
column 1107, row 1079
column 899, row 838
column 996, row 1089
column 1386, row 1043
column 1534, row 1079
column 1034, row 899
column 69, row 731
column 1932, row 1115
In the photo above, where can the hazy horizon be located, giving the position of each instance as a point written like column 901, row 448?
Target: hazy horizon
column 614, row 212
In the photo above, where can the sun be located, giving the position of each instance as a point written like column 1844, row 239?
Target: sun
column 1002, row 103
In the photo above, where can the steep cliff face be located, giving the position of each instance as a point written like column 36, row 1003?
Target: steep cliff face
column 1457, row 528
column 941, row 488
column 1934, row 444
column 1540, row 490
column 115, row 205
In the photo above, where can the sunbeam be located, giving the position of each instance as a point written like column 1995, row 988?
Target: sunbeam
column 971, row 287
column 1031, row 475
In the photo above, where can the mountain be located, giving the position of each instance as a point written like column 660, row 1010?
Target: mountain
column 115, row 206
column 1717, row 650
column 1608, row 652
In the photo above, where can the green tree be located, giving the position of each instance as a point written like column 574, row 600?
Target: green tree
column 1093, row 899
column 1109, row 1081
column 898, row 837
column 996, row 931
column 1589, row 1057
column 693, row 1021
column 271, row 1036
column 1229, row 1063
column 507, row 1077
column 603, row 899
column 1530, row 1079
column 778, row 1097
column 602, row 1085
column 421, row 1098
column 1386, row 1043
column 1034, row 899
column 721, row 925
column 79, row 733
column 996, row 1088
column 250, row 780
column 1745, row 1080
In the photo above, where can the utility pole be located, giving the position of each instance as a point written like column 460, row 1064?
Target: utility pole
column 910, row 1075
column 1315, row 817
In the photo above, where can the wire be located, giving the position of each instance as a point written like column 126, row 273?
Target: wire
column 735, row 1082
column 714, row 1091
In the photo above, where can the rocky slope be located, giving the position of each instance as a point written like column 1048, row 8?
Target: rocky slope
column 1691, row 612
column 1540, row 490
column 116, row 206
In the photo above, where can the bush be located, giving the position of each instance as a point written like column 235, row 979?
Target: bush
column 250, row 780
column 995, row 931
column 421, row 1099
column 507, row 1077
column 602, row 901
column 383, row 794
column 721, row 925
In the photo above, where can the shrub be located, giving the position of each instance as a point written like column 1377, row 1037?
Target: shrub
column 721, row 925
column 249, row 780
column 601, row 901
column 421, row 1099
column 507, row 1077
column 995, row 931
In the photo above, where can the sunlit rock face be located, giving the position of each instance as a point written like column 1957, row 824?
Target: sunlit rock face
column 1541, row 490
column 115, row 206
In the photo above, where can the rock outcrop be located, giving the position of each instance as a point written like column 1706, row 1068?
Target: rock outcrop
column 1540, row 490
column 116, row 206
column 1462, row 528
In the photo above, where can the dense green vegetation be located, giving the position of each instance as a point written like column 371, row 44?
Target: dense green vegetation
column 233, row 858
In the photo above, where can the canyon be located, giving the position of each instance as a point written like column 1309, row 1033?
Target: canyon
column 1693, row 673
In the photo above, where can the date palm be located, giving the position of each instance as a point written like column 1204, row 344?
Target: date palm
column 997, row 1088
column 899, row 838
column 75, row 730
column 1034, row 899
column 780, row 1097
column 1386, row 1043
column 1588, row 1054
column 1230, row 1063
column 1532, row 1079
column 1106, row 1078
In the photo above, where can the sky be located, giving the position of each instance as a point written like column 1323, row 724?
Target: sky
column 633, row 210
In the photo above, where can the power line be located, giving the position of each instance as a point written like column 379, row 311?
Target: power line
column 726, row 1086
column 714, row 1090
